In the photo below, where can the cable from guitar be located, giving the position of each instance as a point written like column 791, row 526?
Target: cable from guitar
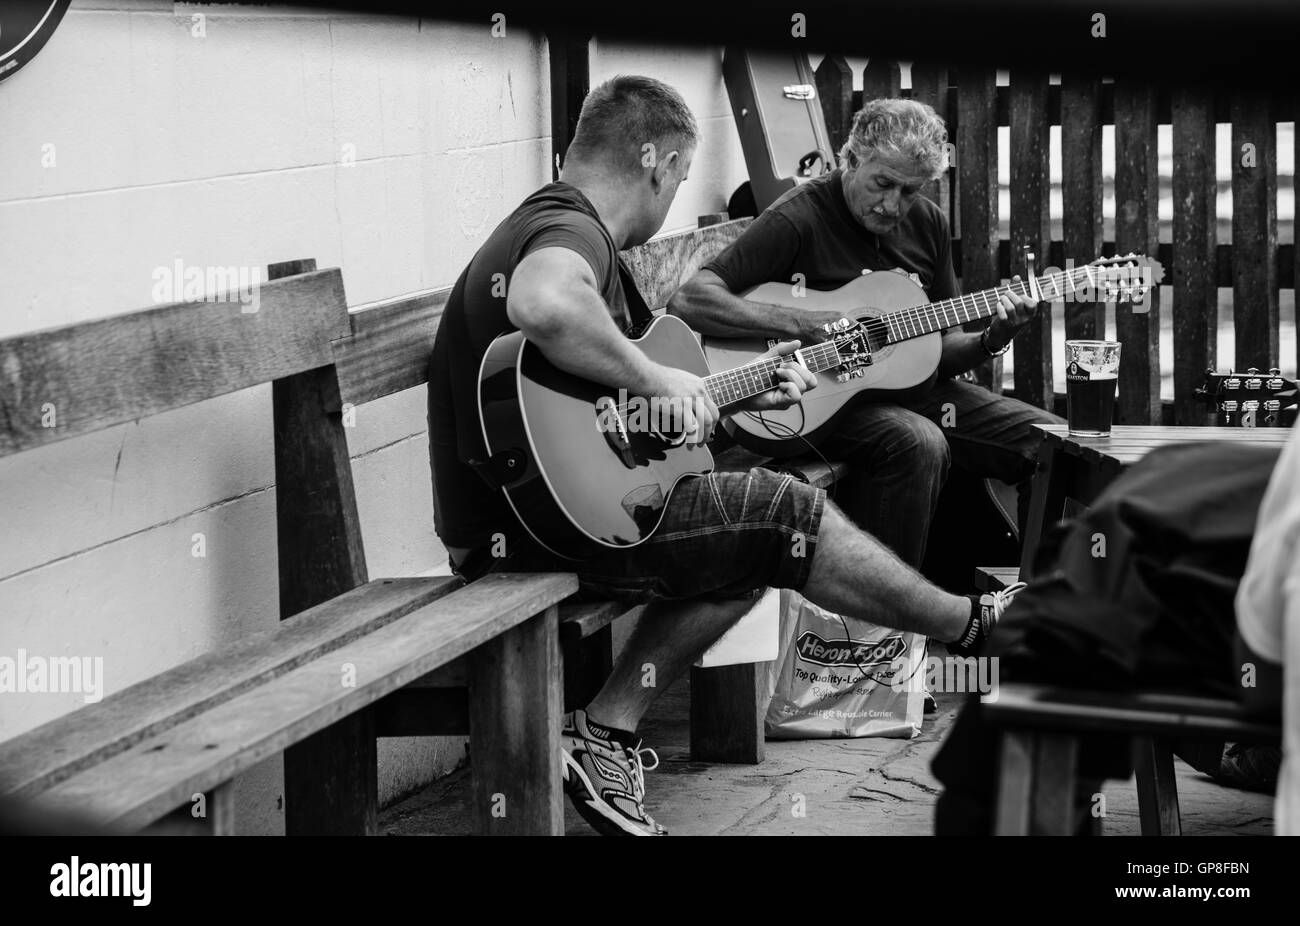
column 780, row 429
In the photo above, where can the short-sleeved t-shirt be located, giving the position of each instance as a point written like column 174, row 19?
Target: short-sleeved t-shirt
column 468, row 511
column 811, row 231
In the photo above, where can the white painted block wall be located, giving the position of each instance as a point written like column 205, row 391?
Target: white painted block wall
column 130, row 143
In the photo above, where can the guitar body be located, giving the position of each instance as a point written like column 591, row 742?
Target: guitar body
column 579, row 486
column 897, row 372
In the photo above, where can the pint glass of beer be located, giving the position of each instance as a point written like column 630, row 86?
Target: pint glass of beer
column 1091, row 375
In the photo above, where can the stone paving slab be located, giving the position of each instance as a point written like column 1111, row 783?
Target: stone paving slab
column 870, row 786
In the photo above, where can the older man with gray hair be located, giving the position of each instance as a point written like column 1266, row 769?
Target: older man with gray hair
column 869, row 215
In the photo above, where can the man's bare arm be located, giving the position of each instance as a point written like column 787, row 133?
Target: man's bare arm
column 554, row 300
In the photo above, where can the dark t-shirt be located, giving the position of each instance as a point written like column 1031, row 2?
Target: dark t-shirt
column 810, row 230
column 468, row 511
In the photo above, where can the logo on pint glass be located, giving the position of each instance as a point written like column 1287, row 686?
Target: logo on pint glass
column 1076, row 374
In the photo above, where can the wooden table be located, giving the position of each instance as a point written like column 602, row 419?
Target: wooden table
column 1072, row 471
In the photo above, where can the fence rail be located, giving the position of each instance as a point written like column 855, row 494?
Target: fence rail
column 1255, row 265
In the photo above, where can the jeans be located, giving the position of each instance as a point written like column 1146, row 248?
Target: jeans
column 900, row 455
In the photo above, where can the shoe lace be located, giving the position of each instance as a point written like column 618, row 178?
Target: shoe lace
column 639, row 768
column 1002, row 598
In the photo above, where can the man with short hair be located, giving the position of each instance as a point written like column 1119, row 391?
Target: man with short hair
column 869, row 216
column 723, row 536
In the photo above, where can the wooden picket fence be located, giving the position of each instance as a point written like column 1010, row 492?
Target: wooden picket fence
column 1254, row 265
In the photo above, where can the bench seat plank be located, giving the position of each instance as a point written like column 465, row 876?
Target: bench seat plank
column 159, row 773
column 581, row 619
column 39, row 758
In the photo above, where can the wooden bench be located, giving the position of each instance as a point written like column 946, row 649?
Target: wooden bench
column 1041, row 726
column 317, row 687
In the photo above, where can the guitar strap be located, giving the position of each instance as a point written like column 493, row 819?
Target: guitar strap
column 639, row 313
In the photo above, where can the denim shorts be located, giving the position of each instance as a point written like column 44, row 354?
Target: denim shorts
column 723, row 535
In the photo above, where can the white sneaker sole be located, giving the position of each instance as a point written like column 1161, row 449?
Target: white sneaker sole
column 585, row 803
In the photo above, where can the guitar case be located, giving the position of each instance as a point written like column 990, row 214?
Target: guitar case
column 779, row 118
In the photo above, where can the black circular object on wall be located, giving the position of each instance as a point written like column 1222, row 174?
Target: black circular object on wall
column 25, row 27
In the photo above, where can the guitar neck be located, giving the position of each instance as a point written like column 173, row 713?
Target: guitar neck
column 921, row 320
column 759, row 376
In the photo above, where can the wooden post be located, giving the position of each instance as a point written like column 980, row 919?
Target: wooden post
column 1136, row 229
column 882, row 78
column 1030, row 228
column 835, row 89
column 1157, row 788
column 726, row 717
column 1196, row 295
column 514, row 694
column 570, row 69
column 330, row 778
column 1254, row 232
column 1014, row 806
column 1081, row 194
column 977, row 193
column 930, row 85
column 1056, row 761
column 587, row 665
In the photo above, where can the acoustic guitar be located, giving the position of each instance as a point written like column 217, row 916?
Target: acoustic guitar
column 586, row 467
column 902, row 330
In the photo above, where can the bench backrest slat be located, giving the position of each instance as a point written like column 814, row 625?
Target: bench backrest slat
column 390, row 345
column 85, row 377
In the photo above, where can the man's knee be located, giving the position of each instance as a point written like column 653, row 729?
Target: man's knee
column 921, row 442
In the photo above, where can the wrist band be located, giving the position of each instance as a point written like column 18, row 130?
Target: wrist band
column 984, row 343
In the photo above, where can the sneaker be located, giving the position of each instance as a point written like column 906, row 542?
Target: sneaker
column 992, row 605
column 605, row 780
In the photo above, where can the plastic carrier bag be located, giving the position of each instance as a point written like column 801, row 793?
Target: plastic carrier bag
column 817, row 684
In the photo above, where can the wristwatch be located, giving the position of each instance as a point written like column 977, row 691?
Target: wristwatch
column 984, row 343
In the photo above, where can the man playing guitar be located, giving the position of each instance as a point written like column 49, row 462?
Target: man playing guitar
column 869, row 216
column 552, row 271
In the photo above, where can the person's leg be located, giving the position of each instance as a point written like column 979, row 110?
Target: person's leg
column 898, row 464
column 990, row 435
column 853, row 574
column 722, row 536
column 669, row 637
column 730, row 533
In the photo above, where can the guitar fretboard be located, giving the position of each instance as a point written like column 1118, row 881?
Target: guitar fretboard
column 760, row 376
column 921, row 320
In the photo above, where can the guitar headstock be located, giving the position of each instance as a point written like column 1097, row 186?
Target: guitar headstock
column 1251, row 399
column 1126, row 277
column 852, row 342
